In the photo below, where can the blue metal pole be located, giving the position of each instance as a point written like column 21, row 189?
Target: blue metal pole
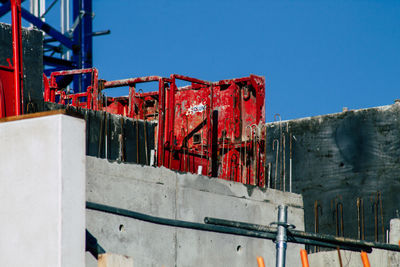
column 87, row 48
column 77, row 39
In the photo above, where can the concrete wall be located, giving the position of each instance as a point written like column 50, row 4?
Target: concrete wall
column 378, row 257
column 163, row 193
column 338, row 158
column 42, row 192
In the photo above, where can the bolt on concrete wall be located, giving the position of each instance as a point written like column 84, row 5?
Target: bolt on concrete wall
column 164, row 193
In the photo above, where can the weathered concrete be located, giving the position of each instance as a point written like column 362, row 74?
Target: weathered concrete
column 394, row 235
column 32, row 56
column 114, row 260
column 338, row 158
column 42, row 192
column 161, row 192
column 378, row 257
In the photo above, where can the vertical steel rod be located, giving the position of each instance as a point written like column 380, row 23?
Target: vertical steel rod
column 281, row 237
column 290, row 162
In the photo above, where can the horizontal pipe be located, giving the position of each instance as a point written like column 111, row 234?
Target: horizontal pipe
column 178, row 223
column 189, row 79
column 204, row 227
column 72, row 72
column 312, row 236
column 130, row 81
column 99, row 33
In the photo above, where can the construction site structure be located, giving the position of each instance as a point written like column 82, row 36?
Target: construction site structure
column 210, row 128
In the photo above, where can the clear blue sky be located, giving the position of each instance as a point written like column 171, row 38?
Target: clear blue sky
column 317, row 56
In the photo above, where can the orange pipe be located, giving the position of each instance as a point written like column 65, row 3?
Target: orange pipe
column 260, row 262
column 304, row 258
column 364, row 258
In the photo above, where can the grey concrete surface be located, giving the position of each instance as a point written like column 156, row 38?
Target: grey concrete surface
column 378, row 257
column 42, row 192
column 164, row 193
column 394, row 234
column 340, row 157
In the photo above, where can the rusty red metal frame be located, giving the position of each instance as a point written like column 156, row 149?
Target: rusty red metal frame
column 210, row 128
column 11, row 86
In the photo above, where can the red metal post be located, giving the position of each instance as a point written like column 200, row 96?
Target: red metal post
column 17, row 55
column 161, row 122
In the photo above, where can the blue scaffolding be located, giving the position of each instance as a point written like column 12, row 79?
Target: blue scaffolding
column 76, row 43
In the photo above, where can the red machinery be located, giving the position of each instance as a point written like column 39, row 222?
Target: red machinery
column 212, row 128
column 11, row 103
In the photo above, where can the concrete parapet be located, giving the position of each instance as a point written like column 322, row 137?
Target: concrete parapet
column 42, row 192
column 164, row 193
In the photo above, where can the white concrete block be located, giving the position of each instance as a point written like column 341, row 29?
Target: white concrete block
column 42, row 191
column 394, row 235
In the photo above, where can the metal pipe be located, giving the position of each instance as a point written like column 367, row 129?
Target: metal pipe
column 247, row 229
column 187, row 143
column 106, row 135
column 290, row 162
column 137, row 140
column 316, row 219
column 358, row 219
column 375, row 208
column 339, row 219
column 183, row 149
column 280, row 145
column 200, row 167
column 330, row 240
column 381, row 213
column 269, row 175
column 276, row 159
column 362, row 219
column 122, row 141
column 255, row 130
column 65, row 23
column 222, row 152
column 100, row 137
column 17, row 56
column 340, row 257
column 281, row 237
column 178, row 223
column 265, row 150
column 232, row 124
column 145, row 142
column 284, row 161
